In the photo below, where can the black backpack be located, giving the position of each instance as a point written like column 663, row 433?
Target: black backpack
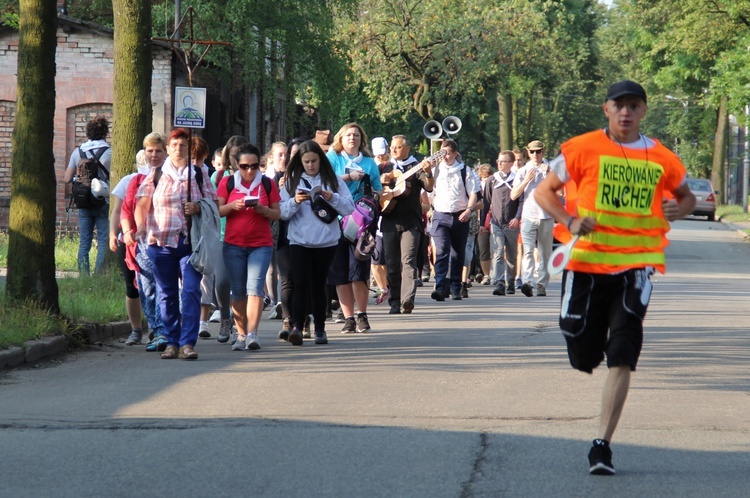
column 88, row 169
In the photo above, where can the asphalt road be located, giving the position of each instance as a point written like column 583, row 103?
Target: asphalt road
column 460, row 399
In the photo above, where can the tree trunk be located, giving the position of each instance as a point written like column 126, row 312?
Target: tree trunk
column 131, row 111
column 516, row 131
column 720, row 149
column 260, row 114
column 505, row 110
column 31, row 246
column 529, row 118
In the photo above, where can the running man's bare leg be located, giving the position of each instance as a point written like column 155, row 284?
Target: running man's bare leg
column 613, row 400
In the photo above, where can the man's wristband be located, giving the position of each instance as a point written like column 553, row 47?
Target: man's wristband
column 428, row 175
column 570, row 221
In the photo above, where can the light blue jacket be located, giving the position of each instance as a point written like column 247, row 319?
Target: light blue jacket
column 368, row 165
column 305, row 228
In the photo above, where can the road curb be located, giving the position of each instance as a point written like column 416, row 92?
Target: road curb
column 35, row 350
column 742, row 233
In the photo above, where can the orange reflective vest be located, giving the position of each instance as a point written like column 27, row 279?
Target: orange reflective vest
column 623, row 190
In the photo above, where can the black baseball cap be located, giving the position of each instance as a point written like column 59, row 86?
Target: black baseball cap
column 625, row 87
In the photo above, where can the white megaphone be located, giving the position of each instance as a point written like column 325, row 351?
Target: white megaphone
column 452, row 125
column 432, row 130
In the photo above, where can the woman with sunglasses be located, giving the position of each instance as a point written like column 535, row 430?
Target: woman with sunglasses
column 249, row 206
column 221, row 278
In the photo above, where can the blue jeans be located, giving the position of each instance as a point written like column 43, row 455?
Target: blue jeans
column 88, row 219
column 449, row 236
column 147, row 291
column 169, row 262
column 247, row 268
column 504, row 244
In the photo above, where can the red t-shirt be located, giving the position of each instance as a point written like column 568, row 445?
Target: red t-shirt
column 246, row 228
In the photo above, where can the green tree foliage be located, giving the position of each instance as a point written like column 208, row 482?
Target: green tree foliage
column 432, row 58
column 283, row 47
column 31, row 251
column 692, row 55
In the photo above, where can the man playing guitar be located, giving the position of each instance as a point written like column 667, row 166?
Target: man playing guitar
column 401, row 221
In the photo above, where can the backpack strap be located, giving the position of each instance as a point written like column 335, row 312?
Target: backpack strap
column 198, row 177
column 463, row 179
column 264, row 180
column 98, row 153
column 157, row 176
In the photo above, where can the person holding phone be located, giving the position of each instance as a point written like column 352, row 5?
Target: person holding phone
column 312, row 241
column 248, row 242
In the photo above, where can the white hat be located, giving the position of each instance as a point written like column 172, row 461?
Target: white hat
column 379, row 146
column 99, row 188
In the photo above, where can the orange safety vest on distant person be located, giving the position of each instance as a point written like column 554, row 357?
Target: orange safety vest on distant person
column 623, row 192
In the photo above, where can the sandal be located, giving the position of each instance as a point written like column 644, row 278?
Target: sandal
column 170, row 353
column 159, row 343
column 188, row 353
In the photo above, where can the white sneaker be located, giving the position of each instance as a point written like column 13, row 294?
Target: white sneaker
column 215, row 317
column 239, row 343
column 275, row 312
column 251, row 343
column 203, row 332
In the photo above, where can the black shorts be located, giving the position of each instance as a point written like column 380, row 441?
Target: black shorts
column 378, row 257
column 346, row 268
column 603, row 314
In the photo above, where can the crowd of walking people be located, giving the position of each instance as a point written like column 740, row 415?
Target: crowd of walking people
column 315, row 223
column 310, row 231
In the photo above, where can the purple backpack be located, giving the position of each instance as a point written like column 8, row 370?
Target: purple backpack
column 361, row 220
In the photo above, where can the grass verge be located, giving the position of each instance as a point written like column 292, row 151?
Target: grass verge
column 733, row 214
column 24, row 321
column 95, row 299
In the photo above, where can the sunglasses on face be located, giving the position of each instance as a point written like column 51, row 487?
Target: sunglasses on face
column 245, row 167
column 536, row 151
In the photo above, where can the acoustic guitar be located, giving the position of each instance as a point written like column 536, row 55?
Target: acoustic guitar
column 402, row 187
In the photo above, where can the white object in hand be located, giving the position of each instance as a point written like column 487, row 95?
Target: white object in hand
column 560, row 257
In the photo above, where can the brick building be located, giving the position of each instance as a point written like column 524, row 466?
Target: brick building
column 84, row 88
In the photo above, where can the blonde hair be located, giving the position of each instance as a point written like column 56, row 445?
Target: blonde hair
column 140, row 159
column 337, row 140
column 276, row 145
column 155, row 138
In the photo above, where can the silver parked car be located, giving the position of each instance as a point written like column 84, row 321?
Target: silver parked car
column 705, row 197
